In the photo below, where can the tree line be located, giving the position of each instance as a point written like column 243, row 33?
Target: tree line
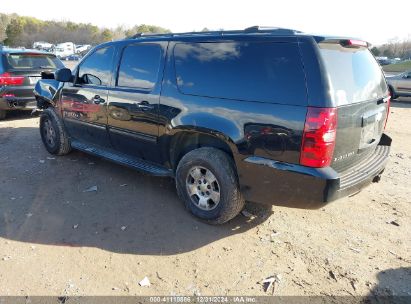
column 395, row 48
column 23, row 31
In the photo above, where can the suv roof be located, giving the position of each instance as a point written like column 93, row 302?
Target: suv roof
column 249, row 31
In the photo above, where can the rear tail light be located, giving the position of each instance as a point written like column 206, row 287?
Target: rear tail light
column 388, row 108
column 8, row 95
column 8, row 79
column 319, row 137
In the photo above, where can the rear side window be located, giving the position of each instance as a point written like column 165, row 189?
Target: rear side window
column 353, row 73
column 24, row 61
column 139, row 66
column 255, row 71
column 96, row 69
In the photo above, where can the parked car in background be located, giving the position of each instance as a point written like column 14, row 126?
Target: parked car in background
column 82, row 48
column 267, row 115
column 383, row 61
column 73, row 57
column 84, row 53
column 64, row 49
column 43, row 46
column 387, row 61
column 19, row 72
column 400, row 85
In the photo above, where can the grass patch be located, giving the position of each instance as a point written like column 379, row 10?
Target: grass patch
column 398, row 67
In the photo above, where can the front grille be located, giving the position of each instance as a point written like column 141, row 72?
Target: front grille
column 366, row 168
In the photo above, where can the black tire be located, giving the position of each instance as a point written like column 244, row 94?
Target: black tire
column 392, row 93
column 53, row 134
column 222, row 167
column 2, row 114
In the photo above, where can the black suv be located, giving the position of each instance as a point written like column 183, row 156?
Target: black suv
column 20, row 70
column 264, row 115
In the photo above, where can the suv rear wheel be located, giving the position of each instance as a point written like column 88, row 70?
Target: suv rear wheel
column 207, row 183
column 53, row 134
column 2, row 114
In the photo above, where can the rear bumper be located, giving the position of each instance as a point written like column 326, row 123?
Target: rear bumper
column 17, row 103
column 271, row 182
column 17, row 98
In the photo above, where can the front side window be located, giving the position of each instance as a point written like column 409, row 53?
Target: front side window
column 96, row 69
column 139, row 66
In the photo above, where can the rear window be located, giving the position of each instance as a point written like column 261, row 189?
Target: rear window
column 33, row 61
column 353, row 73
column 255, row 71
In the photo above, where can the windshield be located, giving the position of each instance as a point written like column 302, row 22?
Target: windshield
column 353, row 73
column 33, row 61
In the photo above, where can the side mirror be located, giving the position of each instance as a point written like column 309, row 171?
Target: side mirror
column 91, row 79
column 63, row 75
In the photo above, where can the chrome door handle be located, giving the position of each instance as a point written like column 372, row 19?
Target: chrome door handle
column 97, row 99
column 144, row 105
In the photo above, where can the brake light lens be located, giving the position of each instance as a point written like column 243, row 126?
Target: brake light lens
column 8, row 95
column 318, row 142
column 8, row 79
column 388, row 108
column 354, row 43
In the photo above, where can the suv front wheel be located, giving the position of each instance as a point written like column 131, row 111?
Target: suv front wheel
column 392, row 93
column 53, row 134
column 206, row 181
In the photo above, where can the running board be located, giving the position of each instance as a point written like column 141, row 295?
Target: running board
column 132, row 162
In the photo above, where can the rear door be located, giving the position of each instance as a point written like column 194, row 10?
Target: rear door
column 359, row 91
column 134, row 100
column 84, row 102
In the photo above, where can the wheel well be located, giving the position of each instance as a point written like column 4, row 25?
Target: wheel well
column 184, row 142
column 42, row 103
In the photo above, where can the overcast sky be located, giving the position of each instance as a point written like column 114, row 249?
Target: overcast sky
column 375, row 21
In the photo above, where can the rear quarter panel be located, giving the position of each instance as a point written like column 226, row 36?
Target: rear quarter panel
column 249, row 128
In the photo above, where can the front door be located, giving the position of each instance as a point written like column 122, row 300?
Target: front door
column 404, row 84
column 134, row 100
column 84, row 102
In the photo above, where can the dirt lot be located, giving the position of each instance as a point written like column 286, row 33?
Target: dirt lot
column 56, row 239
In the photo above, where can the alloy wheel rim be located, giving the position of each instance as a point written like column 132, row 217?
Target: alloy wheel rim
column 203, row 188
column 49, row 133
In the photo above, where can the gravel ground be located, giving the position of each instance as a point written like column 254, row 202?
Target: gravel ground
column 57, row 239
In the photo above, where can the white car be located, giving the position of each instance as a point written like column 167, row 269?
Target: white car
column 400, row 85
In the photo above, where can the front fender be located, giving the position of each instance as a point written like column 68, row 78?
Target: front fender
column 46, row 92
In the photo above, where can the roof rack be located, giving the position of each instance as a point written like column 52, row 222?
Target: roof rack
column 248, row 30
column 270, row 29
